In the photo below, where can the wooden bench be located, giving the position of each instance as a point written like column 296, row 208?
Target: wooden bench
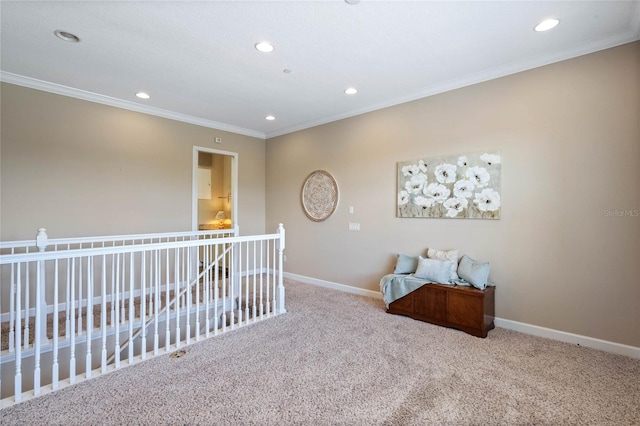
column 464, row 308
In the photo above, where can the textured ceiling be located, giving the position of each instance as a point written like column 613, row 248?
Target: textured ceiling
column 197, row 59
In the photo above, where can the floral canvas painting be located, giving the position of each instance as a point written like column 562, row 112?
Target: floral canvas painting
column 465, row 186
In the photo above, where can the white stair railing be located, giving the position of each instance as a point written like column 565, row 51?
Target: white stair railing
column 69, row 312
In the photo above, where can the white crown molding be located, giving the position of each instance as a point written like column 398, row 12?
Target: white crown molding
column 534, row 330
column 59, row 89
column 632, row 35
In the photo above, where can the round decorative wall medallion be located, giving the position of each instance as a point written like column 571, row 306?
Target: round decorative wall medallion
column 319, row 195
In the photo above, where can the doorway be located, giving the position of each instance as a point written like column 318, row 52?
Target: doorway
column 214, row 189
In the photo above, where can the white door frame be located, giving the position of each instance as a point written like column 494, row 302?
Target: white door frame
column 194, row 184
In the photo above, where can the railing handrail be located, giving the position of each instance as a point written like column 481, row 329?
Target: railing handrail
column 115, row 238
column 98, row 251
column 163, row 289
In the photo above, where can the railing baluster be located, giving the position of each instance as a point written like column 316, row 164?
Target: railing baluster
column 88, row 367
column 72, row 325
column 80, row 304
column 143, row 305
column 216, row 293
column 206, row 287
column 246, row 293
column 113, row 290
column 156, row 335
column 167, row 337
column 189, row 294
column 18, row 377
column 55, row 367
column 131, row 306
column 275, row 262
column 12, row 308
column 176, row 296
column 281, row 245
column 26, row 306
column 198, row 284
column 123, row 289
column 224, row 296
column 261, row 307
column 103, row 313
column 38, row 327
column 116, row 323
column 151, row 283
column 67, row 302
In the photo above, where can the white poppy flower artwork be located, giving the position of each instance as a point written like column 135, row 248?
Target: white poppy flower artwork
column 445, row 173
column 490, row 159
column 437, row 191
column 410, row 170
column 463, row 186
column 455, row 205
column 488, row 200
column 479, row 176
column 416, row 183
column 424, row 201
column 403, row 198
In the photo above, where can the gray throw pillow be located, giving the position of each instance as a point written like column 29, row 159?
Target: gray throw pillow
column 405, row 264
column 475, row 273
column 435, row 271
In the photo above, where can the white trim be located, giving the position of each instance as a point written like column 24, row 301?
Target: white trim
column 59, row 89
column 469, row 80
column 335, row 286
column 563, row 336
column 619, row 39
column 534, row 330
column 234, row 185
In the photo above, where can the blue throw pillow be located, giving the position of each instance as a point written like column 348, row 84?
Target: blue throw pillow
column 435, row 271
column 405, row 264
column 475, row 273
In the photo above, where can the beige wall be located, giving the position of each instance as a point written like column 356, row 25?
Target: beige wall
column 80, row 168
column 570, row 139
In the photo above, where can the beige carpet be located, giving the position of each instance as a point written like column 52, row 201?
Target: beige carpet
column 339, row 359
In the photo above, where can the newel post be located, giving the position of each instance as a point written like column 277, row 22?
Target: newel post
column 281, row 245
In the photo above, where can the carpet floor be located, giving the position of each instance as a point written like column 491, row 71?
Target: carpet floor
column 338, row 359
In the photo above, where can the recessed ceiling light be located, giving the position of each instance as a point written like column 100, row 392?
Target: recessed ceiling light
column 351, row 91
column 143, row 95
column 546, row 25
column 270, row 117
column 264, row 47
column 63, row 35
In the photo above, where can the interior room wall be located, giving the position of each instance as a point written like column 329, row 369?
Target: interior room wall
column 80, row 168
column 562, row 256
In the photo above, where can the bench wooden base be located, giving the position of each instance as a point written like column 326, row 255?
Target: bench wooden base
column 464, row 308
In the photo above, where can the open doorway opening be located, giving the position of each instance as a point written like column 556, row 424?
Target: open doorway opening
column 214, row 189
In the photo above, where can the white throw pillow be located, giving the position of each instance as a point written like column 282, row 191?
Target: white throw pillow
column 446, row 255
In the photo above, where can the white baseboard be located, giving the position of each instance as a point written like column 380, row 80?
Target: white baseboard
column 335, row 286
column 534, row 330
column 576, row 339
